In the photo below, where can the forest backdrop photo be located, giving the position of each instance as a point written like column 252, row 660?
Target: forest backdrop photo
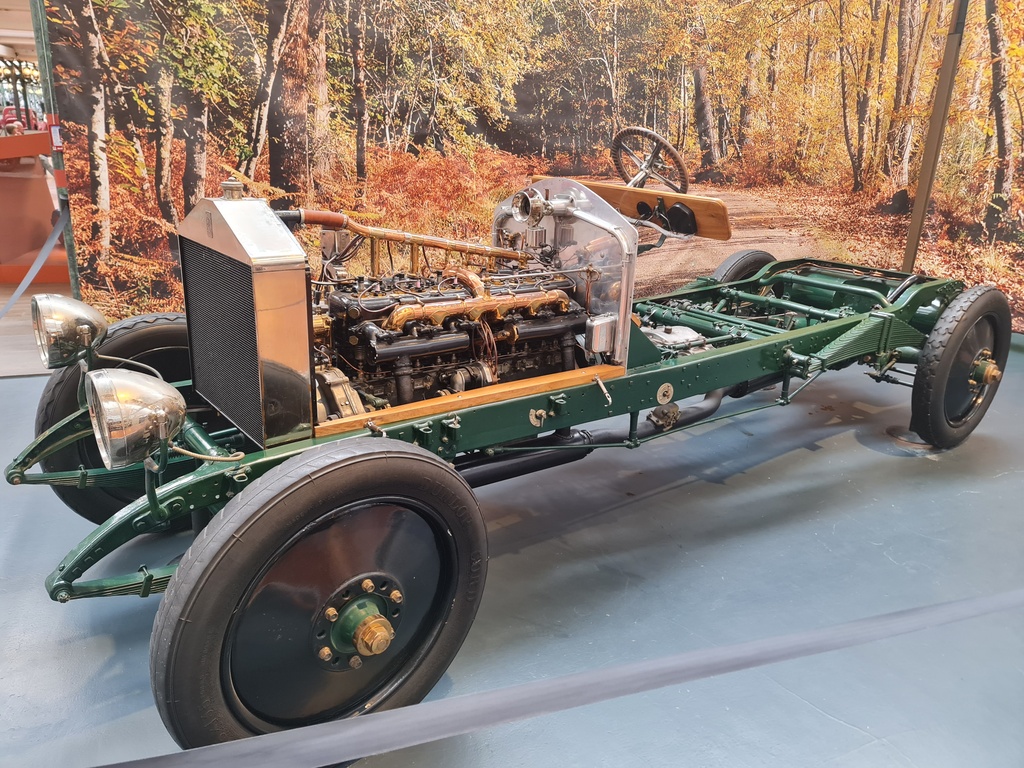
column 421, row 114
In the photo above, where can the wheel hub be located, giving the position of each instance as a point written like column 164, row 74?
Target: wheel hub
column 373, row 635
column 359, row 620
column 985, row 370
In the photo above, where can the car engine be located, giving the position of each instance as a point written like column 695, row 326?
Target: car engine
column 404, row 338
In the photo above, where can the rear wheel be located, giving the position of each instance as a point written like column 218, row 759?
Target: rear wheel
column 343, row 581
column 960, row 366
column 742, row 264
column 159, row 341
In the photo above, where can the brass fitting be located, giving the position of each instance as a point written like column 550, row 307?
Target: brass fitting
column 368, row 585
column 373, row 635
column 331, row 614
column 988, row 373
column 396, row 596
column 325, row 654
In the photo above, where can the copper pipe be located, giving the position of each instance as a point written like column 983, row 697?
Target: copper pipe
column 332, row 220
column 437, row 312
column 468, row 279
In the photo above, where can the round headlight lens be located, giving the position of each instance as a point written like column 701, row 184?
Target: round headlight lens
column 130, row 413
column 65, row 328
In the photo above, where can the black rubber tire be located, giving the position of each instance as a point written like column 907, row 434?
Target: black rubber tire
column 945, row 407
column 672, row 170
column 743, row 264
column 159, row 340
column 198, row 691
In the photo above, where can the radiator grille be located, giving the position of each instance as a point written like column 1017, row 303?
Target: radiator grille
column 221, row 313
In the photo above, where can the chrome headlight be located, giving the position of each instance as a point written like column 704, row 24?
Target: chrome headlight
column 528, row 207
column 131, row 413
column 65, row 328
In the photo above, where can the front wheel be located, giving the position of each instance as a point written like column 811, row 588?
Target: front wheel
column 960, row 366
column 343, row 581
column 159, row 341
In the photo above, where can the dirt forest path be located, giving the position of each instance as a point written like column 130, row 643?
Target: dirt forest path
column 756, row 223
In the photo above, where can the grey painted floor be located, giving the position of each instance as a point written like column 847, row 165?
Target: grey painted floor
column 764, row 524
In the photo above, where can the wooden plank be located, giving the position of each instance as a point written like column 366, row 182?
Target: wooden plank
column 711, row 213
column 471, row 399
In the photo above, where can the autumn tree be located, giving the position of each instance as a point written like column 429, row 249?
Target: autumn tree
column 357, row 46
column 862, row 39
column 911, row 26
column 319, row 92
column 276, row 15
column 1002, row 185
column 95, row 93
column 287, row 118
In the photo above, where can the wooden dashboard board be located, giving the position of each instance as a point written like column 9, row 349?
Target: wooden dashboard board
column 472, row 398
column 711, row 214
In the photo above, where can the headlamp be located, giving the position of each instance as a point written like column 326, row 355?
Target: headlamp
column 65, row 328
column 131, row 413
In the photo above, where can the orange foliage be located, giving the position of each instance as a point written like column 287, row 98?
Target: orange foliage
column 139, row 275
column 449, row 196
column 868, row 235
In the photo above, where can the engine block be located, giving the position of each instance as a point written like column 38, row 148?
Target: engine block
column 405, row 338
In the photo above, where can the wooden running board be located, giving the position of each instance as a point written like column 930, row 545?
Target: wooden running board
column 711, row 214
column 474, row 397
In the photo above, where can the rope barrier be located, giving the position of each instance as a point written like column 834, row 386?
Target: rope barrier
column 330, row 744
column 44, row 254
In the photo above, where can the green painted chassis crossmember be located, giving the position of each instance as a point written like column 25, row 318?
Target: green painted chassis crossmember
column 792, row 321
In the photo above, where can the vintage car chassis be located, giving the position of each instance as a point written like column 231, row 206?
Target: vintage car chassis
column 782, row 327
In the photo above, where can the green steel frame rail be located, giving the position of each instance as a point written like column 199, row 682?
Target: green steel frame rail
column 749, row 350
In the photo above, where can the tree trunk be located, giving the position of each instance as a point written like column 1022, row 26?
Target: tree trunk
column 808, row 85
column 320, row 114
column 278, row 19
column 909, row 46
column 287, row 124
column 851, row 150
column 95, row 104
column 704, row 119
column 879, row 119
column 193, row 129
column 1002, row 185
column 164, row 143
column 614, row 74
column 865, row 92
column 749, row 94
column 357, row 46
column 121, row 108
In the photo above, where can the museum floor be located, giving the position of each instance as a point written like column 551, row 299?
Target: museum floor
column 759, row 525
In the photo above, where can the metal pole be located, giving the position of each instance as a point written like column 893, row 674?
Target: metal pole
column 53, row 126
column 14, row 87
column 29, row 126
column 936, row 129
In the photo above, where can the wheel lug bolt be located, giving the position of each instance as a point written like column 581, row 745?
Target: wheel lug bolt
column 396, row 596
column 331, row 614
column 368, row 585
column 325, row 654
column 355, row 662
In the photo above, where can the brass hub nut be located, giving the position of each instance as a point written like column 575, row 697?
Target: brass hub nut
column 988, row 373
column 368, row 585
column 373, row 636
column 325, row 654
